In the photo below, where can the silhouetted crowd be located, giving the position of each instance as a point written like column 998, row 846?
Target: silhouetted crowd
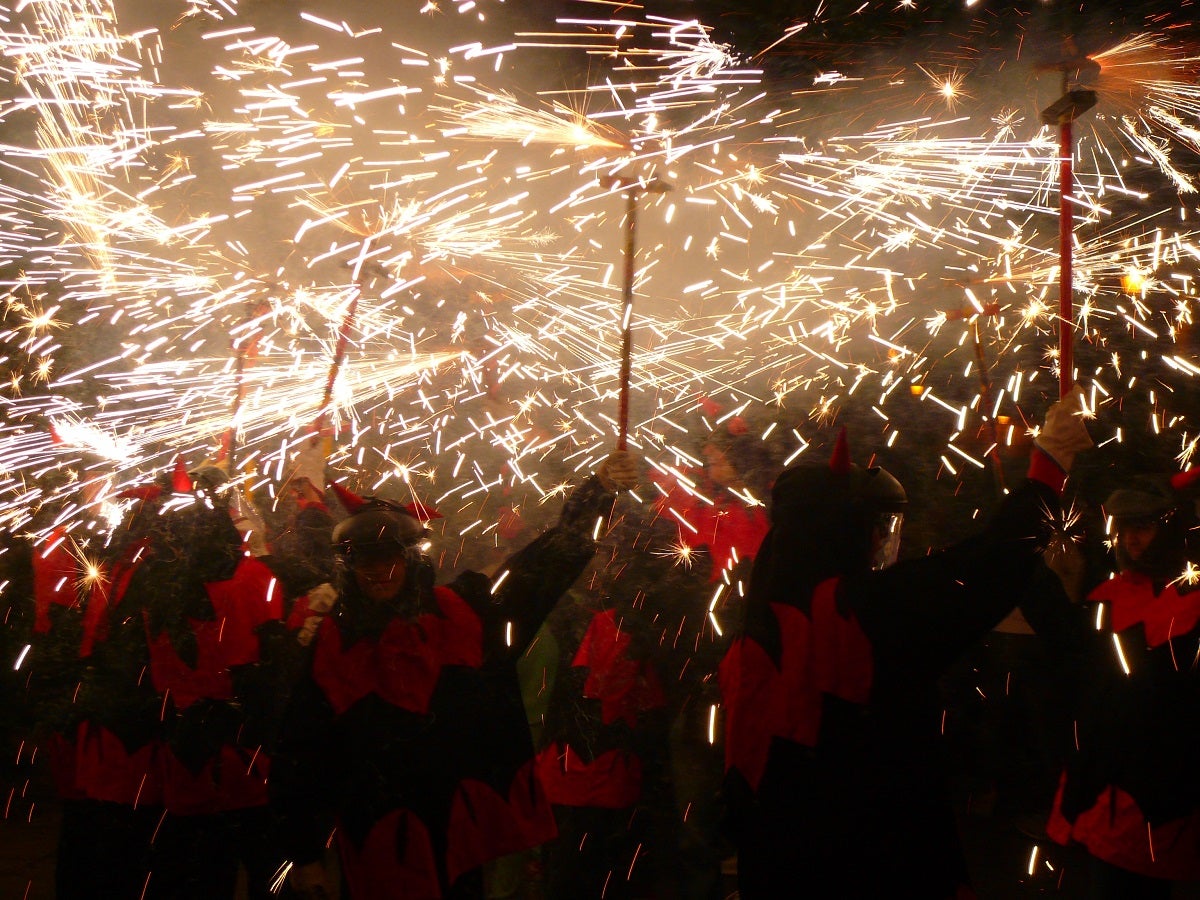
column 707, row 671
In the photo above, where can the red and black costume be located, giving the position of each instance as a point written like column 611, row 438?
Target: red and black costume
column 172, row 643
column 407, row 731
column 118, row 740
column 1131, row 790
column 221, row 674
column 832, row 714
column 106, row 820
column 624, row 751
column 602, row 744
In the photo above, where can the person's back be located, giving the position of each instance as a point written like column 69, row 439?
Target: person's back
column 833, row 723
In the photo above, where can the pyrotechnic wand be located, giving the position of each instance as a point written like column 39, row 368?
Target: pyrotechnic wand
column 973, row 314
column 246, row 347
column 363, row 270
column 1063, row 112
column 633, row 190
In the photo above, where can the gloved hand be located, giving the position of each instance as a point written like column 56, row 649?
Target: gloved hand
column 320, row 602
column 1063, row 435
column 309, row 463
column 619, row 471
column 311, row 882
column 250, row 524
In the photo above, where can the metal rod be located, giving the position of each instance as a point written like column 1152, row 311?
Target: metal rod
column 1066, row 228
column 631, row 204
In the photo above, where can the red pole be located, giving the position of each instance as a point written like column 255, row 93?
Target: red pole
column 1066, row 228
column 339, row 354
column 627, row 316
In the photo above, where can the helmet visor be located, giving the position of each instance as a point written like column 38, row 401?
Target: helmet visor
column 885, row 539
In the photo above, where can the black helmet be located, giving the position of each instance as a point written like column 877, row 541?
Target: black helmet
column 1160, row 500
column 378, row 526
column 833, row 516
column 870, row 490
column 1147, row 497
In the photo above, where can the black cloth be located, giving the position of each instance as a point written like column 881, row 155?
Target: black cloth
column 103, row 850
column 302, row 554
column 864, row 811
column 198, row 857
column 648, row 701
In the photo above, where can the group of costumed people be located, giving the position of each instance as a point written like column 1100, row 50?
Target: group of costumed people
column 642, row 690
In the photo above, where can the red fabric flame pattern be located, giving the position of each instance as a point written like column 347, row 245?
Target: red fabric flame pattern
column 1114, row 830
column 241, row 604
column 55, row 572
column 625, row 687
column 485, row 825
column 613, row 780
column 1130, row 598
column 386, row 868
column 403, row 667
column 824, row 654
column 105, row 771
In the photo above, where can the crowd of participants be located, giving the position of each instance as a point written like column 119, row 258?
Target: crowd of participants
column 699, row 678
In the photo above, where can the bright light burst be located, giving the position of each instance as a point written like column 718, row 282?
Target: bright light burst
column 207, row 198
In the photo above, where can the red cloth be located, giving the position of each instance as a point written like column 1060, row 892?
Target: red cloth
column 729, row 529
column 404, row 665
column 625, row 687
column 55, row 574
column 235, row 779
column 242, row 604
column 1131, row 600
column 613, row 780
column 107, row 593
column 63, row 755
column 381, row 871
column 485, row 825
column 1044, row 469
column 106, row 771
column 822, row 654
column 1116, row 831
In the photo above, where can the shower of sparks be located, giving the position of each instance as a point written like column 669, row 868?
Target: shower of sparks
column 190, row 205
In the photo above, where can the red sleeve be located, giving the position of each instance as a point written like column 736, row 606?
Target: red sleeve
column 1044, row 469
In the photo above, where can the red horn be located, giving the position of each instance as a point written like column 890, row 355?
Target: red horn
column 839, row 463
column 350, row 500
column 181, row 482
column 420, row 511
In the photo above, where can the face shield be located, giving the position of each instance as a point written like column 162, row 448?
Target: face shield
column 885, row 539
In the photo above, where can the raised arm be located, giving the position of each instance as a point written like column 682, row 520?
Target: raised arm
column 515, row 602
column 922, row 614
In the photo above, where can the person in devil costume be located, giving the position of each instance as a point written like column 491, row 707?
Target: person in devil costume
column 832, row 715
column 405, row 738
column 105, row 824
column 1130, row 794
column 212, row 612
column 624, row 749
column 100, row 716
